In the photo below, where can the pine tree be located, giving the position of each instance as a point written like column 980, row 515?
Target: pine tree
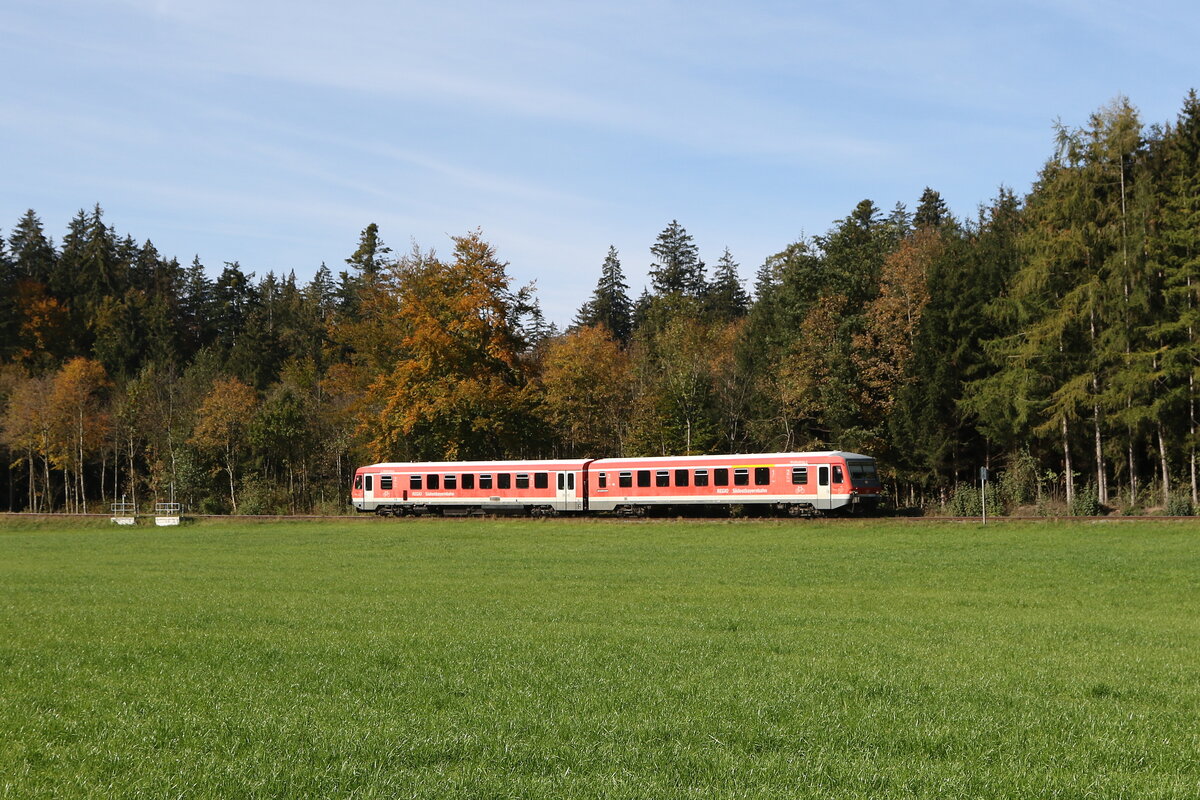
column 371, row 253
column 609, row 305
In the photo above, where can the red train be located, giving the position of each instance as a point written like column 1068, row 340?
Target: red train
column 798, row 484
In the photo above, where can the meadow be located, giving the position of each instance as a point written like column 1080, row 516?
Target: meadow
column 589, row 659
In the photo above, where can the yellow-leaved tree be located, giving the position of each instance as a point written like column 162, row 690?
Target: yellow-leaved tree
column 222, row 424
column 587, row 390
column 458, row 388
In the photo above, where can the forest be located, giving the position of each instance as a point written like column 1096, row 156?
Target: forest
column 1051, row 337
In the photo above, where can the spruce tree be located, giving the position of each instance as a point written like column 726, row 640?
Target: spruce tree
column 932, row 211
column 727, row 298
column 1174, row 254
column 195, row 304
column 65, row 281
column 320, row 293
column 31, row 253
column 935, row 439
column 852, row 255
column 9, row 322
column 609, row 305
column 676, row 269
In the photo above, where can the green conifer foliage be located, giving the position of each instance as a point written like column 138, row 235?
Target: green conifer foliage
column 676, row 269
column 727, row 298
column 609, row 305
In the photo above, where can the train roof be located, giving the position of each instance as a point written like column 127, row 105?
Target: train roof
column 580, row 462
column 436, row 465
column 739, row 457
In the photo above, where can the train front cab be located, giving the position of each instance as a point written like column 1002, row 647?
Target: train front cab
column 864, row 484
column 359, row 490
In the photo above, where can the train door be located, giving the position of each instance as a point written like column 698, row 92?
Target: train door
column 368, row 492
column 567, row 499
column 823, row 488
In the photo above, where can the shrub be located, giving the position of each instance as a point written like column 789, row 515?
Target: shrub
column 1086, row 502
column 966, row 502
column 1179, row 504
column 1018, row 484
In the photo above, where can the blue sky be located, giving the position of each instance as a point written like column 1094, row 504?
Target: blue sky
column 271, row 133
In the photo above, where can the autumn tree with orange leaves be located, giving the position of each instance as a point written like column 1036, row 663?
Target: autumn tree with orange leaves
column 884, row 349
column 459, row 386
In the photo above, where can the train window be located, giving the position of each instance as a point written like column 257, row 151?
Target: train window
column 625, row 480
column 862, row 471
column 838, row 477
column 432, row 481
column 357, row 482
column 368, row 483
column 741, row 477
column 385, row 483
column 822, row 476
column 702, row 477
column 762, row 476
column 522, row 480
column 720, row 477
column 662, row 478
column 571, row 480
column 541, row 480
column 414, row 481
column 485, row 481
column 643, row 477
column 562, row 480
column 451, row 482
column 503, row 481
column 681, row 477
column 799, row 475
column 602, row 480
column 468, row 481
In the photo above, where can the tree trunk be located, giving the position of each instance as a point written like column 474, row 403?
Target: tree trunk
column 229, row 469
column 1067, row 473
column 1192, row 432
column 1101, row 472
column 1133, row 481
column 82, row 488
column 1166, row 472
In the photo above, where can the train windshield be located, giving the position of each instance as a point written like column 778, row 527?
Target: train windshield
column 862, row 473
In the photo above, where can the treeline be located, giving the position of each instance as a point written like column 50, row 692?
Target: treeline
column 1052, row 338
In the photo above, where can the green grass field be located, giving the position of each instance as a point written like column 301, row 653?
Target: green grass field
column 588, row 659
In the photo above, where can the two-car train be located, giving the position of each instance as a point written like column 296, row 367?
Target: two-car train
column 797, row 484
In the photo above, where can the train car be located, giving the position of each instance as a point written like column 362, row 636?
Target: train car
column 794, row 483
column 454, row 488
